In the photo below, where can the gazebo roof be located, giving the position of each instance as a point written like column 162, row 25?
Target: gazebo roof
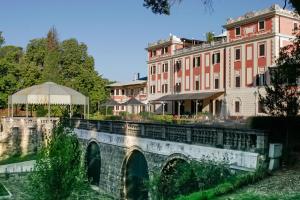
column 110, row 102
column 132, row 101
column 48, row 93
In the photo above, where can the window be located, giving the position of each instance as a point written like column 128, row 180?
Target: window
column 237, row 54
column 216, row 83
column 237, row 81
column 154, row 53
column 117, row 107
column 164, row 88
column 238, row 31
column 152, row 89
column 153, row 70
column 216, row 58
column 131, row 92
column 237, row 106
column 112, row 92
column 197, row 85
column 122, row 107
column 178, row 87
column 165, row 67
column 295, row 26
column 196, row 61
column 177, row 66
column 261, row 25
column 117, row 91
column 260, row 80
column 262, row 50
column 123, row 92
column 164, row 50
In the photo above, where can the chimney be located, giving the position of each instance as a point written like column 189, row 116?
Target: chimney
column 136, row 76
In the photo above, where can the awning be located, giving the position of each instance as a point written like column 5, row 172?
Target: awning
column 186, row 96
column 132, row 101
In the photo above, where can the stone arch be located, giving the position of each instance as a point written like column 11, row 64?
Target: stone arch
column 170, row 171
column 93, row 162
column 134, row 174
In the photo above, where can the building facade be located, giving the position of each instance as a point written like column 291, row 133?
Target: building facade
column 124, row 92
column 224, row 76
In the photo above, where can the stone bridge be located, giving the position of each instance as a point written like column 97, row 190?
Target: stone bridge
column 120, row 155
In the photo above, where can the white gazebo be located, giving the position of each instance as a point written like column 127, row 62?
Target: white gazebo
column 48, row 93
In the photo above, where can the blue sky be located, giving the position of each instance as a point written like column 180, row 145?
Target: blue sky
column 116, row 31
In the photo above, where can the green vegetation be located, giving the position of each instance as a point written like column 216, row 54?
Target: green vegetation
column 48, row 59
column 227, row 186
column 59, row 169
column 182, row 178
column 18, row 158
column 3, row 191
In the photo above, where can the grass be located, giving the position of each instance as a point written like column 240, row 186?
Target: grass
column 16, row 159
column 251, row 196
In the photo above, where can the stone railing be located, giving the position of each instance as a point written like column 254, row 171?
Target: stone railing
column 205, row 135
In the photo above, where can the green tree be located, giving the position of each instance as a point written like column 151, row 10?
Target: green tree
column 59, row 170
column 209, row 36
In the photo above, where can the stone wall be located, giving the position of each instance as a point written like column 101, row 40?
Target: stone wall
column 21, row 136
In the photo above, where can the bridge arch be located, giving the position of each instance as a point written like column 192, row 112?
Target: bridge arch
column 171, row 170
column 93, row 162
column 134, row 174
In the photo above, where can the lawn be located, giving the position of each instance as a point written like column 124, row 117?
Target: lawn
column 16, row 159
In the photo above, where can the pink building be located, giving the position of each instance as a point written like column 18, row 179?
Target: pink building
column 135, row 90
column 223, row 76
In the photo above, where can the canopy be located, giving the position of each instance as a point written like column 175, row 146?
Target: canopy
column 194, row 96
column 48, row 93
column 132, row 101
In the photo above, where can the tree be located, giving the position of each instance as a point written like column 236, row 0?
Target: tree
column 59, row 170
column 163, row 7
column 209, row 36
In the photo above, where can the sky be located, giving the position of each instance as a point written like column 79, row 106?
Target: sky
column 117, row 31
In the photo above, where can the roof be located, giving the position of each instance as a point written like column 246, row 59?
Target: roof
column 132, row 101
column 48, row 93
column 110, row 102
column 194, row 96
column 136, row 82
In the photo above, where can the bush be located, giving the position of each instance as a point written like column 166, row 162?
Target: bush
column 227, row 186
column 181, row 178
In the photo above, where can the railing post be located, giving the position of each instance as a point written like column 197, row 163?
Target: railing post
column 126, row 131
column 163, row 132
column 110, row 126
column 220, row 139
column 189, row 135
column 142, row 129
column 98, row 126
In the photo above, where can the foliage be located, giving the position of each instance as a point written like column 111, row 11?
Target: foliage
column 16, row 159
column 3, row 191
column 163, row 7
column 48, row 59
column 209, row 36
column 58, row 170
column 181, row 178
column 227, row 186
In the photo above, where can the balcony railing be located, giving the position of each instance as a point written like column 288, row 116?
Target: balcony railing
column 213, row 136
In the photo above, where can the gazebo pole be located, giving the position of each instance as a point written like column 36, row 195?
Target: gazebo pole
column 12, row 110
column 84, row 111
column 26, row 110
column 105, row 110
column 88, row 108
column 48, row 111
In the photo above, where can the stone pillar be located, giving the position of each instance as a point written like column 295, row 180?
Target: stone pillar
column 110, row 127
column 163, row 132
column 142, row 129
column 98, row 126
column 261, row 143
